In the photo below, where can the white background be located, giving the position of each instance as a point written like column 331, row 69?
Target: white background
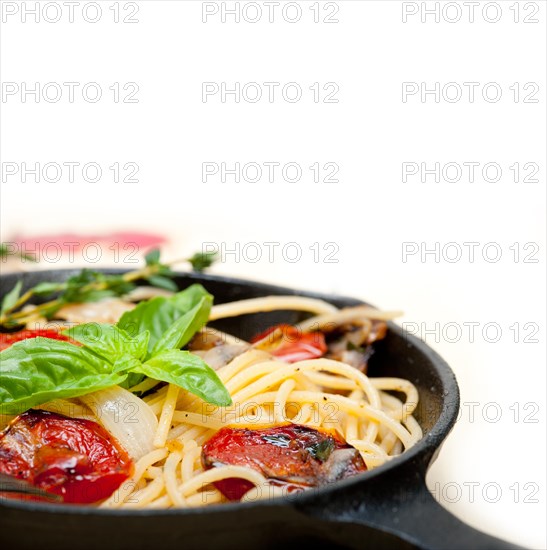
column 369, row 213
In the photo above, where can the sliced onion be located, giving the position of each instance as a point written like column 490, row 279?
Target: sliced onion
column 221, row 355
column 145, row 293
column 129, row 419
column 104, row 311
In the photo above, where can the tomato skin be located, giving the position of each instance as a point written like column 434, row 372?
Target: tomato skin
column 292, row 455
column 9, row 338
column 74, row 458
column 294, row 344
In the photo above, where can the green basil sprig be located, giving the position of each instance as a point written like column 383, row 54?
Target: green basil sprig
column 145, row 342
column 171, row 321
column 91, row 286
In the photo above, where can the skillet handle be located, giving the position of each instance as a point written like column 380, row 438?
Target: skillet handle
column 398, row 504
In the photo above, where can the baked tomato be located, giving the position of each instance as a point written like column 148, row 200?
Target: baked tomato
column 291, row 344
column 9, row 338
column 74, row 458
column 292, row 455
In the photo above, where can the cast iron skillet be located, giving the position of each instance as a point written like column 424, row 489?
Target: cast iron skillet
column 388, row 507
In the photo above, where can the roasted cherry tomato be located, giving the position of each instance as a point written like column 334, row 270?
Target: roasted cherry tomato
column 291, row 344
column 292, row 455
column 9, row 338
column 74, row 458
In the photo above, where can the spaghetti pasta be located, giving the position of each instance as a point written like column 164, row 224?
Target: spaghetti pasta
column 318, row 393
column 311, row 378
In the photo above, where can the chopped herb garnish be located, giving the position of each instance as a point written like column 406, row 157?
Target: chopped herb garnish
column 322, row 450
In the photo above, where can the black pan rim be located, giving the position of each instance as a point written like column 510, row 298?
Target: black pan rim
column 426, row 447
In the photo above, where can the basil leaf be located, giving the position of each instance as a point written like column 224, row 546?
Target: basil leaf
column 155, row 316
column 46, row 288
column 11, row 297
column 38, row 370
column 182, row 330
column 189, row 372
column 125, row 363
column 158, row 316
column 128, row 364
column 160, row 281
column 132, row 379
column 153, row 257
column 189, row 297
column 202, row 260
column 109, row 341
